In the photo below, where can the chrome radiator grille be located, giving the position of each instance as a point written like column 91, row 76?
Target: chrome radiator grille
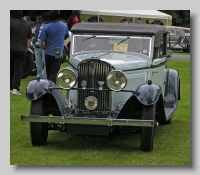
column 92, row 71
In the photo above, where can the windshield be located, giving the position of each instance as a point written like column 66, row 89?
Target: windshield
column 134, row 44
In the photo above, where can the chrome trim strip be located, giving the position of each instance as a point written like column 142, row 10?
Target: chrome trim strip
column 89, row 121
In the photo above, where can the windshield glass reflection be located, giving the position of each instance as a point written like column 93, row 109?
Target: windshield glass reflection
column 84, row 43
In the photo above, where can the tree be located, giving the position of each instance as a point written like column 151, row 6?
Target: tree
column 64, row 14
column 179, row 17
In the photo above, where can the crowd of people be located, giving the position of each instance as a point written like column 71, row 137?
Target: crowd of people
column 49, row 37
column 139, row 21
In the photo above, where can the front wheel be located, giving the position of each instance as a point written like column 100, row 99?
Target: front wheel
column 188, row 48
column 28, row 66
column 38, row 131
column 147, row 132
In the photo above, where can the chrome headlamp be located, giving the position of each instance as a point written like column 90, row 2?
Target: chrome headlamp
column 116, row 80
column 66, row 78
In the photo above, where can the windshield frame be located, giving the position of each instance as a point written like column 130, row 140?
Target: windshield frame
column 120, row 37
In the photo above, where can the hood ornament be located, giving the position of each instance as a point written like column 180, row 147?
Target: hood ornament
column 101, row 83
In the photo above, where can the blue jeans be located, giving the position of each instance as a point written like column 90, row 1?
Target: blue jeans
column 40, row 62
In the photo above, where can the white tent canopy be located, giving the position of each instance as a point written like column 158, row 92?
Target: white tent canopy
column 129, row 13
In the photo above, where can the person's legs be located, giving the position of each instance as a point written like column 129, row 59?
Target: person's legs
column 44, row 64
column 18, row 66
column 12, row 54
column 55, row 67
column 39, row 60
column 48, row 64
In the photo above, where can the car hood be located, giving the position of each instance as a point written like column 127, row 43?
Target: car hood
column 118, row 60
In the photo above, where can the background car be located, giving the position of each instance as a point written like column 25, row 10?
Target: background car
column 179, row 39
column 184, row 29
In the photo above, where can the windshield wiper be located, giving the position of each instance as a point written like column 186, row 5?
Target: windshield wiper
column 104, row 54
column 89, row 38
column 123, row 40
column 107, row 53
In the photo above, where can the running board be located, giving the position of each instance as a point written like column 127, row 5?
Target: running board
column 170, row 105
column 169, row 112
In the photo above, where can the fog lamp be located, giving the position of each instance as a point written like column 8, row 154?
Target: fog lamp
column 66, row 78
column 116, row 80
column 91, row 103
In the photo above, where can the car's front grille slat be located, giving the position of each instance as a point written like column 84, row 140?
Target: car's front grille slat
column 93, row 71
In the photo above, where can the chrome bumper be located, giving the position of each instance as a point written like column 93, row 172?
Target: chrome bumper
column 88, row 121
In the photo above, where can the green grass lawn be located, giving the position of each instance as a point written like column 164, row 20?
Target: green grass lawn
column 180, row 52
column 171, row 142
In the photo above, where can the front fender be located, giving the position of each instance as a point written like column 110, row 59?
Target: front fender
column 148, row 94
column 173, row 84
column 38, row 88
column 145, row 94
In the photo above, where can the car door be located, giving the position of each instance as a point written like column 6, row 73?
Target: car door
column 158, row 71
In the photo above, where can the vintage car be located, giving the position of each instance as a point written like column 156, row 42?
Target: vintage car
column 117, row 80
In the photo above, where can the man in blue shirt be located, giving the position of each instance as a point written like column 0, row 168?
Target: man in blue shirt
column 139, row 21
column 52, row 37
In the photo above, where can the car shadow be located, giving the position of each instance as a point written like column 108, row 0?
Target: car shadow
column 122, row 142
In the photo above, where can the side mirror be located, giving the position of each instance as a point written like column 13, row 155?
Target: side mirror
column 169, row 55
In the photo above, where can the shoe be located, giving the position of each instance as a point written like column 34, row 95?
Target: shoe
column 16, row 92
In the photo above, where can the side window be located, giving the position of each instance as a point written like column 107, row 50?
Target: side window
column 178, row 33
column 125, row 20
column 159, row 50
column 186, row 31
column 171, row 32
column 158, row 22
column 94, row 19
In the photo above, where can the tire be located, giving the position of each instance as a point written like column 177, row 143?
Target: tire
column 188, row 48
column 170, row 120
column 38, row 131
column 184, row 50
column 34, row 72
column 147, row 133
column 28, row 66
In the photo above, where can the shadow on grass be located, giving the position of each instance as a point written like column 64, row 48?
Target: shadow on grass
column 165, row 136
column 62, row 141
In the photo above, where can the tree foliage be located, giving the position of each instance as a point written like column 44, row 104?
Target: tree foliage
column 33, row 14
column 179, row 17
